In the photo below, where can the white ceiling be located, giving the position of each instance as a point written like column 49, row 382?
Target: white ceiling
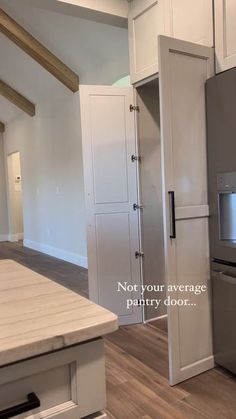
column 89, row 48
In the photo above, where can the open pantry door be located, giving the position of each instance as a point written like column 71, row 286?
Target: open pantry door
column 110, row 173
column 184, row 68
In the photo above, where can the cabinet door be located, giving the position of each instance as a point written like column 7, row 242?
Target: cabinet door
column 184, row 68
column 146, row 22
column 109, row 141
column 190, row 20
column 225, row 34
column 182, row 19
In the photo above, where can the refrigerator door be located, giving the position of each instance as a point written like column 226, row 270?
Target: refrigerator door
column 221, row 143
column 224, row 316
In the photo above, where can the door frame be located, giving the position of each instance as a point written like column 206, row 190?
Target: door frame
column 13, row 236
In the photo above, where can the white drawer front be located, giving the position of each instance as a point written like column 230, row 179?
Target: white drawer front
column 70, row 384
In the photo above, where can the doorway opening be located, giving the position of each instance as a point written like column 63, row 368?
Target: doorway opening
column 15, row 205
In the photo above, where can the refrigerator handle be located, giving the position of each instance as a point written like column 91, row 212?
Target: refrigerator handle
column 172, row 214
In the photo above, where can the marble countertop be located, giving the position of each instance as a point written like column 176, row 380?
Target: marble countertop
column 38, row 315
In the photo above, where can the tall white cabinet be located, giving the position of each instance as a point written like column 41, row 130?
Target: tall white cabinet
column 225, row 34
column 109, row 142
column 111, row 166
column 184, row 68
column 188, row 20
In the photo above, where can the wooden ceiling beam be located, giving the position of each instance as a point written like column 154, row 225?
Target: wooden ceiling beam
column 16, row 98
column 2, row 127
column 21, row 37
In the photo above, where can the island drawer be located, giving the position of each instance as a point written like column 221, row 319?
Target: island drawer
column 69, row 383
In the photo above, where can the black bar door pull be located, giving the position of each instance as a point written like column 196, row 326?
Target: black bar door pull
column 32, row 403
column 172, row 215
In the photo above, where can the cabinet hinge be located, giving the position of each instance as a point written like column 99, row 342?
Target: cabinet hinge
column 133, row 108
column 139, row 254
column 135, row 158
column 137, row 207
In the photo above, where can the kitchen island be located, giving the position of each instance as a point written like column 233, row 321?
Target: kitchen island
column 51, row 348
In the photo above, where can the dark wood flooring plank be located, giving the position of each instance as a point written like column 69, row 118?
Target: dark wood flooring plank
column 160, row 324
column 122, row 367
column 142, row 385
column 146, row 344
column 214, row 392
column 189, row 411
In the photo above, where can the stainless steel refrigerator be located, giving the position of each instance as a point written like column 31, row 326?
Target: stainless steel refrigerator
column 221, row 137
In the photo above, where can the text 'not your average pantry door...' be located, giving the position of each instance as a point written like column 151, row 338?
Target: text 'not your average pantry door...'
column 108, row 132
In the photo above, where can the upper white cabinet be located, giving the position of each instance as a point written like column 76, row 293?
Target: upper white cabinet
column 146, row 21
column 225, row 34
column 188, row 20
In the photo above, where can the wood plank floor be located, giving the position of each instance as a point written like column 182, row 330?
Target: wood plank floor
column 137, row 371
column 137, row 360
column 67, row 274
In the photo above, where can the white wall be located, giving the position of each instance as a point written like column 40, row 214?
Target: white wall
column 52, row 179
column 51, row 155
column 3, row 196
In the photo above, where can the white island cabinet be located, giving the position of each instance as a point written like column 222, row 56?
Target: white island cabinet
column 188, row 20
column 51, row 348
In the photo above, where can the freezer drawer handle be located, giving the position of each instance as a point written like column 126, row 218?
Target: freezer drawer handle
column 32, row 403
column 172, row 214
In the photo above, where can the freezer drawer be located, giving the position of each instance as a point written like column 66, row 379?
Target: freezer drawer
column 224, row 318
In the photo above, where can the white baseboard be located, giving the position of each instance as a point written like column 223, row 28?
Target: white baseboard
column 15, row 237
column 4, row 237
column 156, row 318
column 57, row 253
column 11, row 237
